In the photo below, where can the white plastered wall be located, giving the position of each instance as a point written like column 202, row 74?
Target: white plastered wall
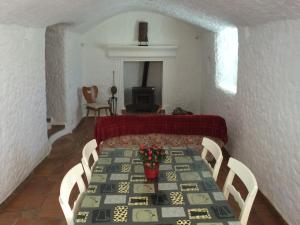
column 23, row 128
column 63, row 76
column 72, row 68
column 181, row 74
column 23, row 98
column 263, row 117
column 55, row 79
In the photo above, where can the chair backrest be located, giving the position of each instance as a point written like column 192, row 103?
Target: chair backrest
column 212, row 147
column 73, row 177
column 247, row 177
column 90, row 93
column 88, row 151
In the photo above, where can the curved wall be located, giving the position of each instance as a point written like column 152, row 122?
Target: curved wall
column 23, row 127
column 263, row 117
column 55, row 80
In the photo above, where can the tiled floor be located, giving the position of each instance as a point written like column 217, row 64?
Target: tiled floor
column 35, row 202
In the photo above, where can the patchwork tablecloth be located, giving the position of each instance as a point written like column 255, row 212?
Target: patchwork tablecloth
column 184, row 194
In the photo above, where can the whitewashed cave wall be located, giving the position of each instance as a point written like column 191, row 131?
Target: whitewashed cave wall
column 63, row 74
column 72, row 74
column 23, row 127
column 208, row 67
column 55, row 79
column 182, row 82
column 264, row 116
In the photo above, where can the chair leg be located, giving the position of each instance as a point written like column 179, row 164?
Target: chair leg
column 106, row 112
column 87, row 112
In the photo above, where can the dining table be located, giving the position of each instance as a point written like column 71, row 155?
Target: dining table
column 184, row 193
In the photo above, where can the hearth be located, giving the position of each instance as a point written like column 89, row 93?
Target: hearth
column 143, row 98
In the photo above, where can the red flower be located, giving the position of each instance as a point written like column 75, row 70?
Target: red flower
column 151, row 154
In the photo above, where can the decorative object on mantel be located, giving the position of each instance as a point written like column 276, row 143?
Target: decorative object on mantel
column 151, row 156
column 143, row 34
column 113, row 100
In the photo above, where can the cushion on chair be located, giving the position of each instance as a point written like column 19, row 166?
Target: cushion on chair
column 96, row 105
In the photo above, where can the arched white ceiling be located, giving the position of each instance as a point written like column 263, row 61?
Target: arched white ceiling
column 210, row 14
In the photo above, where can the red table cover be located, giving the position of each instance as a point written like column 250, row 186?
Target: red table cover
column 204, row 125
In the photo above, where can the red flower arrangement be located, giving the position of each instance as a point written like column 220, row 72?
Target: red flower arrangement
column 151, row 155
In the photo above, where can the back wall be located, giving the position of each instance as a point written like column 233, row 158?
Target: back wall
column 182, row 85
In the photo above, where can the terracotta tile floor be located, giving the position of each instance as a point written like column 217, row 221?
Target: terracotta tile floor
column 35, row 201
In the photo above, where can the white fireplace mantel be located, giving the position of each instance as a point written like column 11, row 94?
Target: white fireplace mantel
column 152, row 51
column 119, row 54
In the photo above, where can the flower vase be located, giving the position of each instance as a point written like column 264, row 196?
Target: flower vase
column 151, row 173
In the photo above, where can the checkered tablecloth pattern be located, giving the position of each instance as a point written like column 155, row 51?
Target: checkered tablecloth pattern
column 184, row 194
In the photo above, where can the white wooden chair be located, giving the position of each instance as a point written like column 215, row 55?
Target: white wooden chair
column 73, row 177
column 215, row 150
column 247, row 177
column 88, row 151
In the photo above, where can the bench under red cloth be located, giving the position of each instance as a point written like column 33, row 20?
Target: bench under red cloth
column 204, row 125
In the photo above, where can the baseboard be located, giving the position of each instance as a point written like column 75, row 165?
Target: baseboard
column 54, row 123
column 275, row 208
column 28, row 174
column 227, row 156
column 48, row 148
column 57, row 135
column 67, row 130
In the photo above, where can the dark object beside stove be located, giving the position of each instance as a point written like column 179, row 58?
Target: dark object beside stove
column 180, row 111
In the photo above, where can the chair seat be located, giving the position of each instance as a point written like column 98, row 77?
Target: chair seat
column 97, row 106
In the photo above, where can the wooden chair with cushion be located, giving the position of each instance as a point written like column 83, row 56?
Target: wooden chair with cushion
column 212, row 147
column 247, row 177
column 70, row 180
column 90, row 94
column 88, row 151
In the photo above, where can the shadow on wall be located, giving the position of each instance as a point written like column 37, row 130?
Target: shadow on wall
column 80, row 103
column 226, row 45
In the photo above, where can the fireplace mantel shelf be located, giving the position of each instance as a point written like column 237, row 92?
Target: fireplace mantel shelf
column 133, row 51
